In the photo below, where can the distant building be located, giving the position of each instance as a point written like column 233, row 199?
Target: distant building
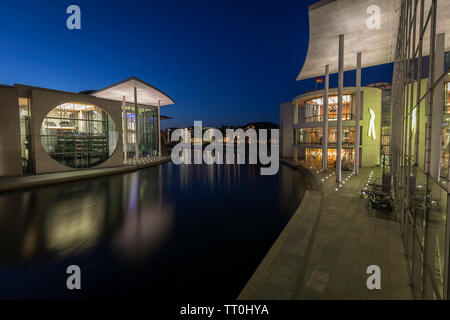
column 207, row 132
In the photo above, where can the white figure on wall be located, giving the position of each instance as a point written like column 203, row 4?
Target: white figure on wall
column 371, row 132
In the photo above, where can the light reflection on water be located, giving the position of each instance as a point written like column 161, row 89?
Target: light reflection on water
column 189, row 230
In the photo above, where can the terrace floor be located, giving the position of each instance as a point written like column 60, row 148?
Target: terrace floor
column 324, row 251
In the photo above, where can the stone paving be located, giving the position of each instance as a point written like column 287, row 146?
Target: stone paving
column 324, row 251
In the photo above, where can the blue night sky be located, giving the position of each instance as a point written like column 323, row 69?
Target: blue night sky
column 223, row 62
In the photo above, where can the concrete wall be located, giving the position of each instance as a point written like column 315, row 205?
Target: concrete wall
column 43, row 101
column 287, row 133
column 10, row 154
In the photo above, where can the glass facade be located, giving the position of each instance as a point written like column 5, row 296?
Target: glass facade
column 445, row 135
column 421, row 193
column 79, row 135
column 314, row 109
column 313, row 156
column 308, row 136
column 314, row 136
column 147, row 129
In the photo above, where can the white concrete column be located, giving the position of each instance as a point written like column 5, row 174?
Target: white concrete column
column 136, row 119
column 159, row 128
column 357, row 115
column 438, row 108
column 339, row 113
column 296, row 113
column 295, row 131
column 125, row 130
column 325, row 120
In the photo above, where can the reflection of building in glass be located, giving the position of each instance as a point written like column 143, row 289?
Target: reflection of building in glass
column 55, row 131
column 385, row 119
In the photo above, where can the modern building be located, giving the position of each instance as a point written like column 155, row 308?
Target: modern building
column 302, row 128
column 414, row 116
column 44, row 130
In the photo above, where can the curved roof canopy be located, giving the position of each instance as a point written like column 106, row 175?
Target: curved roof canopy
column 146, row 94
column 330, row 18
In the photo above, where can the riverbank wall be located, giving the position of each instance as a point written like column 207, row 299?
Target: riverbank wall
column 32, row 181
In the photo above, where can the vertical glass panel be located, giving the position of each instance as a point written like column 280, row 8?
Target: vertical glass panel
column 309, row 136
column 416, row 263
column 25, row 134
column 418, row 202
column 435, row 240
column 445, row 134
column 148, row 131
column 314, row 110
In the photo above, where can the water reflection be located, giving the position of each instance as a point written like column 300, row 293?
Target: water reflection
column 188, row 230
column 70, row 219
column 147, row 222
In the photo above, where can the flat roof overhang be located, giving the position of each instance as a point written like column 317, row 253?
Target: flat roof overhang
column 330, row 18
column 146, row 93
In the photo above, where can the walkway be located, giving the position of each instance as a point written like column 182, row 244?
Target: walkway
column 324, row 251
column 31, row 181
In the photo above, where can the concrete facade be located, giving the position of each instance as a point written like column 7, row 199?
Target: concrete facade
column 287, row 134
column 10, row 156
column 42, row 101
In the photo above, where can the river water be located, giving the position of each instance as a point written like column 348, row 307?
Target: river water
column 189, row 231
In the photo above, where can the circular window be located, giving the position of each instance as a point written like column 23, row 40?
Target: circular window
column 79, row 135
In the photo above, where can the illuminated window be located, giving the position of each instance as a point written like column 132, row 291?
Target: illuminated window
column 309, row 136
column 348, row 135
column 313, row 156
column 25, row 134
column 314, row 109
column 78, row 135
column 447, row 95
column 148, row 131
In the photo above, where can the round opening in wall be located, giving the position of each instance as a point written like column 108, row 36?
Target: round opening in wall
column 79, row 135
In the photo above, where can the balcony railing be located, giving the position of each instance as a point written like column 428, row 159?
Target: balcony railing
column 330, row 142
column 331, row 117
